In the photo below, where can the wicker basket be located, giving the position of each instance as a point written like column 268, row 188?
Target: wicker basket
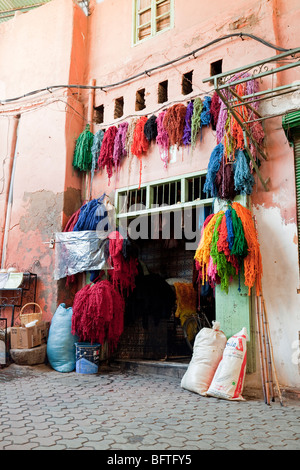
column 29, row 317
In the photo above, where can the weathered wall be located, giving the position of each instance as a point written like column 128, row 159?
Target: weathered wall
column 42, row 48
column 113, row 58
column 57, row 44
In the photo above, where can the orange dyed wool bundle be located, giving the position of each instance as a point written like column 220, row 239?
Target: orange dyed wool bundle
column 253, row 262
column 140, row 144
column 174, row 123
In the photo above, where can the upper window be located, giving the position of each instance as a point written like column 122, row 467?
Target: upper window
column 151, row 17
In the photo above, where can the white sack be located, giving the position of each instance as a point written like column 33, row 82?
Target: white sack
column 207, row 352
column 228, row 381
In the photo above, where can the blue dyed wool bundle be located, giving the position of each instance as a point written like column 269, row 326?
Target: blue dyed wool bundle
column 243, row 178
column 213, row 167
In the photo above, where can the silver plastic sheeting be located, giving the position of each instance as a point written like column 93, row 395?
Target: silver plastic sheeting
column 76, row 252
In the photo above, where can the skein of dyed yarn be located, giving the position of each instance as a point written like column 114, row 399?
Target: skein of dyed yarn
column 174, row 121
column 186, row 139
column 196, row 120
column 243, row 178
column 150, row 129
column 107, row 151
column 212, row 169
column 96, row 147
column 119, row 144
column 225, row 181
column 82, row 159
column 205, row 117
column 162, row 139
column 140, row 144
column 215, row 109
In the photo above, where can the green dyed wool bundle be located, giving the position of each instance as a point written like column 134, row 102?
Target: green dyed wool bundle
column 225, row 269
column 196, row 120
column 83, row 156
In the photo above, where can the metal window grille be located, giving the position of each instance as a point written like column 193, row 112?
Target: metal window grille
column 186, row 191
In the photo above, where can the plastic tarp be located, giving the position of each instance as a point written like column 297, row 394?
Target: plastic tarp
column 77, row 252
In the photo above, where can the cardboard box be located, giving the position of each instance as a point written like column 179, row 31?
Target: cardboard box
column 44, row 328
column 25, row 338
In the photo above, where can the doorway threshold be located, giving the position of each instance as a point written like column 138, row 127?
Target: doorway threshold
column 170, row 367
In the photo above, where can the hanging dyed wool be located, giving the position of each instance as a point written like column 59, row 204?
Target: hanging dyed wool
column 82, row 159
column 174, row 121
column 139, row 144
column 253, row 262
column 230, row 232
column 240, row 245
column 186, row 139
column 215, row 109
column 243, row 178
column 119, row 145
column 150, row 129
column 107, row 151
column 212, row 273
column 196, row 120
column 162, row 139
column 124, row 270
column 212, row 169
column 222, row 118
column 229, row 141
column 96, row 147
column 258, row 134
column 229, row 243
column 205, row 117
column 202, row 254
column 226, row 271
column 129, row 135
column 91, row 214
column 223, row 112
column 223, row 245
column 224, row 180
column 98, row 314
column 242, row 111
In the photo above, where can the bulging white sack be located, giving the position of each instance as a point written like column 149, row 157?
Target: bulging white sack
column 207, row 352
column 228, row 381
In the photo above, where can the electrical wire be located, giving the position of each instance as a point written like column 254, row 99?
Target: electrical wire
column 148, row 71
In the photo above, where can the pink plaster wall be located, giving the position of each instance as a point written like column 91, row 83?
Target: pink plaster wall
column 57, row 44
column 112, row 58
column 42, row 48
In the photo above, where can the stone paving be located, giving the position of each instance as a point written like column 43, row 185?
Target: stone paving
column 42, row 409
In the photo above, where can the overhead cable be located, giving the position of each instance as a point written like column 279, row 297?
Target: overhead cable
column 148, row 71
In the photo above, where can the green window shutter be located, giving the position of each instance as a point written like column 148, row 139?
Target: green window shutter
column 291, row 126
column 296, row 141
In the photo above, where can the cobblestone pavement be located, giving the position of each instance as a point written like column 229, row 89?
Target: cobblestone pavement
column 42, row 409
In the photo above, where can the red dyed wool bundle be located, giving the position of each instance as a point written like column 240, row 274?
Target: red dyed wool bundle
column 107, row 151
column 98, row 314
column 124, row 272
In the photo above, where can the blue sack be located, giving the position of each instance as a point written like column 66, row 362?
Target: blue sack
column 61, row 349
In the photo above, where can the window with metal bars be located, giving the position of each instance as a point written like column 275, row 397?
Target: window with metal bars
column 159, row 196
column 151, row 17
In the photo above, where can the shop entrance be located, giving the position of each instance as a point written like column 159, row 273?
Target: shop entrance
column 165, row 287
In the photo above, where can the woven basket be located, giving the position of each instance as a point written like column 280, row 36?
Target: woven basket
column 29, row 317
